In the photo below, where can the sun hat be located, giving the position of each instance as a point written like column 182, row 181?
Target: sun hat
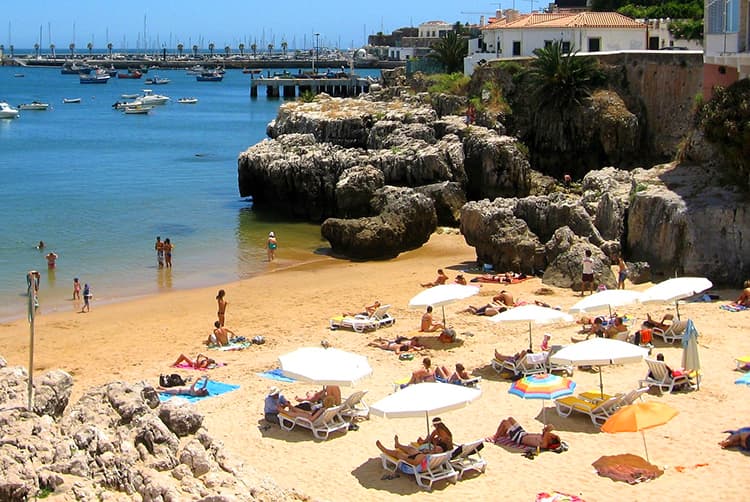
column 272, row 391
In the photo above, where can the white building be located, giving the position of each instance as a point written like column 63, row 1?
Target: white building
column 434, row 29
column 726, row 42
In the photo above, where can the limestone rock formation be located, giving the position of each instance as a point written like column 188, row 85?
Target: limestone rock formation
column 110, row 445
column 495, row 165
column 565, row 270
column 448, row 198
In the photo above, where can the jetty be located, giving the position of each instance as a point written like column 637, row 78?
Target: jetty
column 290, row 86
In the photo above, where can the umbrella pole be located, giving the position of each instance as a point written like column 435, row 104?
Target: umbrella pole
column 601, row 383
column 677, row 308
column 445, row 325
column 427, row 423
column 643, row 435
column 531, row 348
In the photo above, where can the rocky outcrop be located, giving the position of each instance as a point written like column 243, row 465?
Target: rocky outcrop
column 404, row 220
column 566, row 252
column 448, row 198
column 495, row 165
column 111, row 444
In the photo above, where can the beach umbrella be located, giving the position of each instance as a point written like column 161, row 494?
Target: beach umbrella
column 325, row 366
column 638, row 417
column 425, row 399
column 690, row 359
column 605, row 300
column 440, row 296
column 531, row 314
column 599, row 352
column 675, row 289
column 542, row 386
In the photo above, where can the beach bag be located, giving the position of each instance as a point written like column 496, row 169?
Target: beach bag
column 258, row 340
column 448, row 335
column 173, row 380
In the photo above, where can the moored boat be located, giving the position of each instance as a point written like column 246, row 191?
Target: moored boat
column 94, row 79
column 149, row 98
column 71, row 100
column 128, row 96
column 210, row 76
column 7, row 112
column 34, row 105
column 187, row 101
column 135, row 74
column 156, row 80
column 75, row 69
column 137, row 110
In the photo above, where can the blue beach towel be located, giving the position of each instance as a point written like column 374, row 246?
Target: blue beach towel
column 276, row 374
column 745, row 379
column 733, row 308
column 214, row 389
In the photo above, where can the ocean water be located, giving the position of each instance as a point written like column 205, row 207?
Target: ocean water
column 98, row 186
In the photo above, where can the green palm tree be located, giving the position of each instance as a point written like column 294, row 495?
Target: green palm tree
column 270, row 49
column 180, row 48
column 242, row 49
column 72, row 48
column 227, row 51
column 211, row 48
column 89, row 46
column 450, row 51
column 109, row 49
column 254, row 49
column 284, row 46
column 52, row 50
column 36, row 49
column 195, row 51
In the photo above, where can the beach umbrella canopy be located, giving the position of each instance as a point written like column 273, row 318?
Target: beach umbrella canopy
column 542, row 386
column 424, row 399
column 638, row 417
column 599, row 352
column 325, row 366
column 675, row 289
column 604, row 300
column 690, row 359
column 531, row 314
column 440, row 296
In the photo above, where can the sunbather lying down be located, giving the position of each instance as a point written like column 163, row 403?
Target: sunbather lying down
column 740, row 437
column 400, row 344
column 515, row 357
column 201, row 362
column 511, row 429
column 194, row 390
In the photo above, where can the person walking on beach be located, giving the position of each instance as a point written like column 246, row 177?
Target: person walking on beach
column 587, row 275
column 271, row 244
column 168, row 252
column 159, row 247
column 87, row 296
column 222, row 303
column 51, row 259
column 622, row 272
column 76, row 289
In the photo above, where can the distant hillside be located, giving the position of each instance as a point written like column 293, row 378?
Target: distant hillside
column 689, row 13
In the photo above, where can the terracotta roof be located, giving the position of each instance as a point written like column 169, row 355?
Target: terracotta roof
column 571, row 20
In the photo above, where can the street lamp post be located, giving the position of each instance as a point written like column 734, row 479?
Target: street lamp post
column 317, row 47
column 32, row 283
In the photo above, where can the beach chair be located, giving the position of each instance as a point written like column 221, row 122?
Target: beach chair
column 530, row 364
column 355, row 407
column 361, row 323
column 634, row 395
column 598, row 412
column 435, row 468
column 467, row 457
column 658, row 376
column 743, row 363
column 551, row 367
column 329, row 421
column 674, row 330
column 469, row 382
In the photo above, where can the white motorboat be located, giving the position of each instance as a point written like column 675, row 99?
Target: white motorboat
column 123, row 105
column 149, row 98
column 34, row 105
column 7, row 112
column 71, row 100
column 138, row 110
column 187, row 101
column 128, row 96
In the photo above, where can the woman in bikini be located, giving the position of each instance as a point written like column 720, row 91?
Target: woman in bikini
column 440, row 439
column 168, row 252
column 201, row 362
column 222, row 303
column 199, row 388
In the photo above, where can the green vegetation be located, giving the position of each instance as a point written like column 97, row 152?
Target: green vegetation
column 687, row 13
column 689, row 29
column 43, row 493
column 307, row 97
column 453, row 83
column 450, row 52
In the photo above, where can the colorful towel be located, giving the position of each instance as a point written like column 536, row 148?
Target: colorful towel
column 276, row 374
column 231, row 346
column 557, row 497
column 629, row 468
column 732, row 307
column 184, row 365
column 510, row 445
column 214, row 389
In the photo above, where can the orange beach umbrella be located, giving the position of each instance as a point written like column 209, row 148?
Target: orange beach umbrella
column 639, row 417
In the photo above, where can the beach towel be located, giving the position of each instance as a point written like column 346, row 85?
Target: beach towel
column 557, row 497
column 731, row 307
column 510, row 445
column 276, row 374
column 184, row 365
column 231, row 346
column 629, row 468
column 214, row 389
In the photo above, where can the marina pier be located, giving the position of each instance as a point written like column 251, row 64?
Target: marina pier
column 292, row 86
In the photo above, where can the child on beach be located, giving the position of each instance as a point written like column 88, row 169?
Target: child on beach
column 271, row 245
column 76, row 289
column 87, row 296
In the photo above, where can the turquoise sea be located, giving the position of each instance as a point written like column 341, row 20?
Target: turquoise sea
column 98, row 186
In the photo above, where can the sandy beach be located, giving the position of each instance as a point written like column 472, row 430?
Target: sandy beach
column 290, row 306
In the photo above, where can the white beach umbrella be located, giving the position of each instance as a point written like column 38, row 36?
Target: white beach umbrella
column 531, row 314
column 599, row 352
column 425, row 399
column 325, row 366
column 440, row 296
column 675, row 289
column 606, row 300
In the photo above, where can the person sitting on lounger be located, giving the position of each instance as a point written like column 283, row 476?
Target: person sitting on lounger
column 653, row 323
column 441, row 279
column 399, row 345
column 440, row 439
column 428, row 324
column 194, row 390
column 367, row 312
column 459, row 375
column 504, row 298
column 614, row 329
column 740, row 437
column 296, row 411
column 312, row 400
column 515, row 357
column 511, row 429
column 424, row 374
column 201, row 362
column 407, row 453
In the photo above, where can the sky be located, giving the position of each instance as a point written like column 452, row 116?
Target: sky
column 342, row 24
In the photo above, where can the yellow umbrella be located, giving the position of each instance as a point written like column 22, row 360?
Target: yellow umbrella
column 639, row 417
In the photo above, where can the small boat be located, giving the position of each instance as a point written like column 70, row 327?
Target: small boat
column 94, row 79
column 34, row 105
column 7, row 112
column 210, row 76
column 128, row 96
column 187, row 101
column 149, row 98
column 19, row 75
column 156, row 80
column 195, row 70
column 252, row 71
column 137, row 110
column 134, row 74
column 71, row 100
column 75, row 69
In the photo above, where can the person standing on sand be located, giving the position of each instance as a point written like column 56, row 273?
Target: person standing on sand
column 271, row 246
column 159, row 247
column 168, row 252
column 622, row 272
column 587, row 275
column 222, row 303
column 87, row 296
column 76, row 289
column 51, row 259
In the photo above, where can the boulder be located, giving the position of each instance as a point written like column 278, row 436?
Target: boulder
column 448, row 199
column 448, row 104
column 354, row 190
column 496, row 166
column 638, row 272
column 180, row 417
column 565, row 270
column 52, row 392
column 404, row 220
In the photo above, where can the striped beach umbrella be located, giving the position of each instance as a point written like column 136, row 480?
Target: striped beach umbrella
column 542, row 386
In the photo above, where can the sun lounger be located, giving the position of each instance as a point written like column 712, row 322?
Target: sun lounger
column 355, row 407
column 597, row 412
column 743, row 363
column 361, row 323
column 530, row 364
column 329, row 421
column 658, row 376
column 673, row 333
column 552, row 367
column 467, row 457
column 437, row 467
